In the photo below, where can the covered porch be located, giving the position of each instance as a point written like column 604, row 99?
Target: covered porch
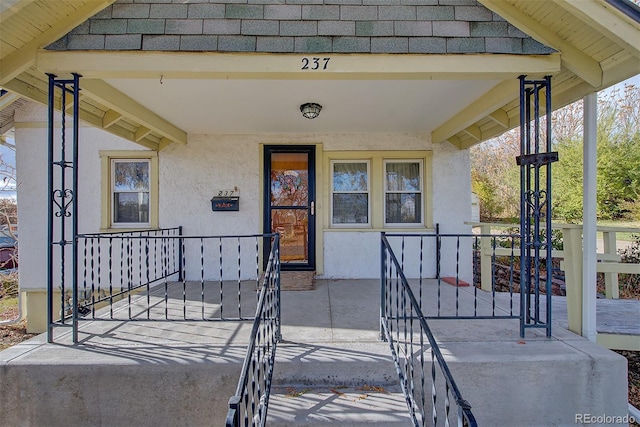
column 330, row 366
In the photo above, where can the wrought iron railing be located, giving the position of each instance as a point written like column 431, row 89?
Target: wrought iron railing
column 120, row 265
column 249, row 405
column 428, row 385
column 162, row 275
column 449, row 266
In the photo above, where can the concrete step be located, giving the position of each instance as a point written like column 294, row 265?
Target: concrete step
column 347, row 406
column 338, row 383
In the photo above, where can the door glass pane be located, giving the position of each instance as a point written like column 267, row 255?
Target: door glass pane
column 292, row 225
column 289, row 179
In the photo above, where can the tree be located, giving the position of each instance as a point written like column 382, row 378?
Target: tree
column 495, row 175
column 618, row 161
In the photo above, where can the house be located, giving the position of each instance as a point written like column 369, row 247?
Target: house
column 324, row 121
column 192, row 98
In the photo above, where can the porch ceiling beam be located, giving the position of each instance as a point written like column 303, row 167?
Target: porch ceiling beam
column 607, row 20
column 8, row 8
column 16, row 62
column 110, row 118
column 29, row 91
column 164, row 143
column 574, row 59
column 455, row 141
column 474, row 132
column 7, row 99
column 500, row 117
column 121, row 103
column 141, row 132
column 40, row 95
column 214, row 65
column 498, row 96
column 6, row 128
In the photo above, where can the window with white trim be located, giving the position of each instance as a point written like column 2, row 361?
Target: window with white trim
column 403, row 192
column 131, row 189
column 350, row 193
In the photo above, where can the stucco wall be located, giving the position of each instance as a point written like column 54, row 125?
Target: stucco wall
column 31, row 162
column 188, row 176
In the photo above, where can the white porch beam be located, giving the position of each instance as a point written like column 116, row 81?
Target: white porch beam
column 121, row 103
column 575, row 60
column 606, row 20
column 495, row 98
column 15, row 63
column 589, row 231
column 215, row 65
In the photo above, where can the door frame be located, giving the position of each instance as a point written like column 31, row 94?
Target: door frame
column 266, row 202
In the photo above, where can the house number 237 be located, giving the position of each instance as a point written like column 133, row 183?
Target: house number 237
column 315, row 63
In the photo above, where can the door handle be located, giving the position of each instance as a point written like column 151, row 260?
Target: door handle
column 313, row 208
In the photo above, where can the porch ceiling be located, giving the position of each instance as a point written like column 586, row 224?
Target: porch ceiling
column 598, row 41
column 256, row 106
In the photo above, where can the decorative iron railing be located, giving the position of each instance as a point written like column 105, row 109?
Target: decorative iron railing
column 449, row 265
column 162, row 275
column 120, row 265
column 430, row 395
column 248, row 407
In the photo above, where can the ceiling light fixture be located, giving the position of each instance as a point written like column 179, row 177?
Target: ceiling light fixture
column 310, row 110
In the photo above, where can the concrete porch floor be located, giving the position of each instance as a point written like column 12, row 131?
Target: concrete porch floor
column 182, row 373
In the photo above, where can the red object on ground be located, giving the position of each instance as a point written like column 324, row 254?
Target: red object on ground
column 452, row 281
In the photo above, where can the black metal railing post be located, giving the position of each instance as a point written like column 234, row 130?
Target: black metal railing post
column 50, row 219
column 63, row 204
column 74, row 206
column 233, row 416
column 180, row 254
column 438, row 251
column 383, row 287
column 276, row 252
column 535, row 202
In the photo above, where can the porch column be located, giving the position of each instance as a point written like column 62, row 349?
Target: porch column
column 589, row 232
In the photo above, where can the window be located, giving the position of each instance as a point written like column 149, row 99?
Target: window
column 131, row 187
column 350, row 192
column 403, row 192
column 130, row 193
column 378, row 190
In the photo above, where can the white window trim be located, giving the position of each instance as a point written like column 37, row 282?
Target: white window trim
column 368, row 191
column 420, row 224
column 107, row 158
